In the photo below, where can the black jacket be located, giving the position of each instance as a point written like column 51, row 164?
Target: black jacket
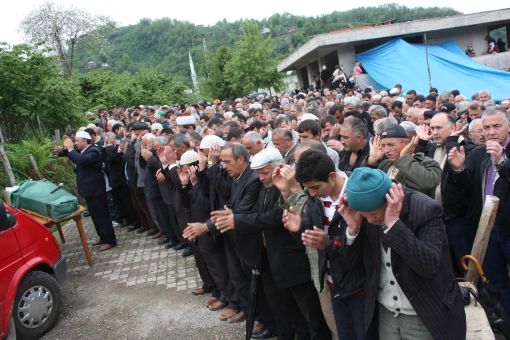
column 473, row 178
column 89, row 171
column 420, row 261
column 129, row 158
column 345, row 157
column 453, row 197
column 151, row 184
column 243, row 199
column 287, row 258
column 181, row 211
column 115, row 166
column 347, row 280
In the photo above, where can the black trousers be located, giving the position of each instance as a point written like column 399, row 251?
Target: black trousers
column 237, row 292
column 296, row 309
column 98, row 209
column 171, row 217
column 140, row 204
column 207, row 281
column 124, row 202
column 213, row 249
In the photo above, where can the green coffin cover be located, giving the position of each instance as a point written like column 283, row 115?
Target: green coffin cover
column 42, row 198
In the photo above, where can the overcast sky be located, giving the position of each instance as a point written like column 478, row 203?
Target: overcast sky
column 208, row 12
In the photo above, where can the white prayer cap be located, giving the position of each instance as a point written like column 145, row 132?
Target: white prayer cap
column 185, row 120
column 209, row 140
column 83, row 134
column 189, row 157
column 265, row 157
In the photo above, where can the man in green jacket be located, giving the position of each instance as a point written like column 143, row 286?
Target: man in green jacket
column 392, row 152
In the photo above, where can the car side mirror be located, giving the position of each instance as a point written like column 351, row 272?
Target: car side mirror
column 7, row 220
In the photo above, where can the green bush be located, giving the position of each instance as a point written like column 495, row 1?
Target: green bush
column 51, row 167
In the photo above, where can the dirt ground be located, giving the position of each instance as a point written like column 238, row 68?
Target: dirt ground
column 136, row 291
column 95, row 309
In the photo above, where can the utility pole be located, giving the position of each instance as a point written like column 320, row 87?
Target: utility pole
column 206, row 57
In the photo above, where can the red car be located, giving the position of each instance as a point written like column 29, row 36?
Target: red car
column 31, row 270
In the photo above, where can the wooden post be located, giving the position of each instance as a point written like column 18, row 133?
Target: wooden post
column 7, row 166
column 483, row 235
column 41, row 130
column 57, row 137
column 5, row 161
column 34, row 164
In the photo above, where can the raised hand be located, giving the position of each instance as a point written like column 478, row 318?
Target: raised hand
column 192, row 173
column 183, row 175
column 335, row 131
column 376, row 152
column 202, row 159
column 284, row 179
column 170, row 156
column 335, row 145
column 456, row 158
column 495, row 150
column 291, row 220
column 68, row 144
column 351, row 217
column 395, row 197
column 409, row 148
column 146, row 154
column 214, row 153
column 423, row 132
column 460, row 131
column 159, row 176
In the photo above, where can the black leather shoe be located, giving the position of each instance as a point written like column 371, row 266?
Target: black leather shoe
column 132, row 228
column 163, row 241
column 180, row 246
column 265, row 334
column 171, row 244
column 187, row 252
column 152, row 232
column 141, row 231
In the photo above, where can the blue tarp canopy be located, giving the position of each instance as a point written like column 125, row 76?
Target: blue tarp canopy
column 398, row 62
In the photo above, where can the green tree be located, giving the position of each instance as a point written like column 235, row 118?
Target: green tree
column 32, row 89
column 218, row 86
column 253, row 63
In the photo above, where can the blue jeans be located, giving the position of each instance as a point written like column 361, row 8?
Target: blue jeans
column 461, row 235
column 496, row 264
column 350, row 318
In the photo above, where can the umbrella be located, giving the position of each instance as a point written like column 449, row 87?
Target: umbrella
column 252, row 302
column 490, row 299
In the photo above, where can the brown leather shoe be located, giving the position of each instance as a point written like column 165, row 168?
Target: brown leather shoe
column 239, row 317
column 198, row 291
column 258, row 327
column 228, row 313
column 158, row 235
column 97, row 242
column 106, row 246
column 211, row 301
column 217, row 305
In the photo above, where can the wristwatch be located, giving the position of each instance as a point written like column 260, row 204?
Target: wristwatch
column 500, row 164
column 210, row 163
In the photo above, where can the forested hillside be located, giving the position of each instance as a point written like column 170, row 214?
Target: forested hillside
column 164, row 43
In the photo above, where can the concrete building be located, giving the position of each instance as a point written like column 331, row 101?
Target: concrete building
column 340, row 47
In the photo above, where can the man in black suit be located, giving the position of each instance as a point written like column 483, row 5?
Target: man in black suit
column 286, row 277
column 244, row 191
column 91, row 185
column 398, row 236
